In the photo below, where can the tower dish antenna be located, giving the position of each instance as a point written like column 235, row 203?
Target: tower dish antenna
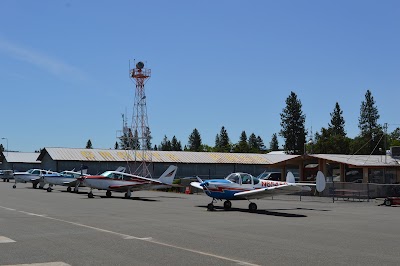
column 140, row 65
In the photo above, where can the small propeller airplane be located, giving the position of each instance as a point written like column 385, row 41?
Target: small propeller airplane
column 65, row 178
column 124, row 182
column 244, row 186
column 32, row 175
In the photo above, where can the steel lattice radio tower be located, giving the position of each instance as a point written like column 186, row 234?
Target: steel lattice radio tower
column 140, row 125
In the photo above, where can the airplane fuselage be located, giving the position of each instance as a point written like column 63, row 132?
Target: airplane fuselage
column 59, row 180
column 104, row 183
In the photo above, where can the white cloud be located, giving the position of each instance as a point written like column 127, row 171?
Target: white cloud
column 40, row 60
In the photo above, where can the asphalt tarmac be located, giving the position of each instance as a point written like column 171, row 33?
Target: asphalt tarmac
column 165, row 228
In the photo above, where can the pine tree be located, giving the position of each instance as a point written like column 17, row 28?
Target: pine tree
column 89, row 144
column 194, row 143
column 371, row 130
column 253, row 143
column 260, row 144
column 222, row 142
column 116, row 146
column 337, row 122
column 148, row 138
column 394, row 137
column 293, row 125
column 166, row 144
column 134, row 142
column 274, row 145
column 175, row 144
column 242, row 145
column 1, row 148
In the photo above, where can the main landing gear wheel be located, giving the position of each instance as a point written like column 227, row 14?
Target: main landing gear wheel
column 388, row 202
column 108, row 193
column 49, row 189
column 252, row 207
column 76, row 190
column 90, row 195
column 68, row 189
column 14, row 186
column 210, row 207
column 227, row 205
column 34, row 185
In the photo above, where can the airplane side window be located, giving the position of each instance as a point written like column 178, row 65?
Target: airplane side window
column 246, row 179
column 256, row 181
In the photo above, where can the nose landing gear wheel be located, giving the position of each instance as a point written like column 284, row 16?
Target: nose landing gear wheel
column 210, row 207
column 68, row 189
column 14, row 186
column 108, row 194
column 90, row 195
column 227, row 205
column 252, row 207
column 49, row 189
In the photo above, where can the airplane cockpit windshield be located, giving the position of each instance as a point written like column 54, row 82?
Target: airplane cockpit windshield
column 234, row 177
column 111, row 175
column 242, row 178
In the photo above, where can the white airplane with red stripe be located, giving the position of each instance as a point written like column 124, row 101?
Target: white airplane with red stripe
column 244, row 186
column 124, row 182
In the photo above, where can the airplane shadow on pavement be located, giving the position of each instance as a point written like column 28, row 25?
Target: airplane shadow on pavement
column 262, row 212
column 131, row 198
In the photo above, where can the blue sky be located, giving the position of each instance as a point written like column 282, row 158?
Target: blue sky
column 64, row 66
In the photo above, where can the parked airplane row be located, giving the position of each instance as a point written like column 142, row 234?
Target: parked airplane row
column 110, row 181
column 236, row 186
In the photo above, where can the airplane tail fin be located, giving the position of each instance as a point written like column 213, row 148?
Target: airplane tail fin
column 290, row 178
column 320, row 182
column 168, row 176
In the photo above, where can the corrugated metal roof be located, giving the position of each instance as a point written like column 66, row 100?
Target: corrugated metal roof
column 21, row 157
column 74, row 154
column 359, row 160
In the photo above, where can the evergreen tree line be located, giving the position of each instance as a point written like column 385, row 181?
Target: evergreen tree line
column 329, row 140
column 333, row 138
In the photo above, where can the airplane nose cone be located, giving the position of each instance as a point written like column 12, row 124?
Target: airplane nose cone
column 204, row 184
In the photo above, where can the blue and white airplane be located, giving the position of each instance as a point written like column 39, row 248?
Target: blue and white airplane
column 243, row 186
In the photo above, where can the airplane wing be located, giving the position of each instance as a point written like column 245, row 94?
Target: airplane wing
column 137, row 186
column 70, row 183
column 271, row 191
